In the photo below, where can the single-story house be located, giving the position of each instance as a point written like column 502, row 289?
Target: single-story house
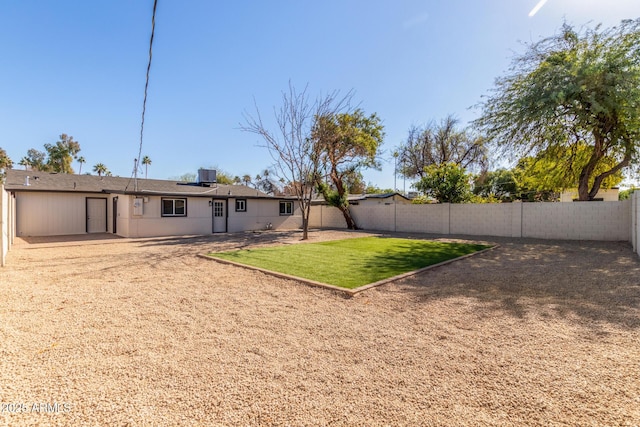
column 604, row 195
column 49, row 204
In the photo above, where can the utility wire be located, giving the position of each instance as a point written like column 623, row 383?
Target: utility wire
column 146, row 85
column 144, row 102
column 146, row 88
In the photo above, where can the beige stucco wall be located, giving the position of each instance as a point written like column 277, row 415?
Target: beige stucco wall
column 260, row 213
column 152, row 224
column 53, row 214
column 607, row 195
column 199, row 219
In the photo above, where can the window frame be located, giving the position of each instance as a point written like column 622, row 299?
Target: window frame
column 285, row 203
column 244, row 201
column 173, row 200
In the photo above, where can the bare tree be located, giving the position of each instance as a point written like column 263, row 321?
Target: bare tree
column 440, row 143
column 296, row 157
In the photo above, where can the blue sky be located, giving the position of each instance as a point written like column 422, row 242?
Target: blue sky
column 78, row 67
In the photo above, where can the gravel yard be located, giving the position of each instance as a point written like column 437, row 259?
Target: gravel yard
column 145, row 332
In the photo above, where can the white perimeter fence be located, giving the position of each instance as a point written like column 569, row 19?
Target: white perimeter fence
column 5, row 227
column 614, row 221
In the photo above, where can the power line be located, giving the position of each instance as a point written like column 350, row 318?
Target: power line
column 146, row 88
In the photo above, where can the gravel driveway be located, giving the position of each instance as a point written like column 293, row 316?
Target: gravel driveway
column 144, row 332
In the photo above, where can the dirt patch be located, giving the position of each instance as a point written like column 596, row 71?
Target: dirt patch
column 144, row 332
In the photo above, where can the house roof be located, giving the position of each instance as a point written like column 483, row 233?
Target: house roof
column 358, row 197
column 16, row 180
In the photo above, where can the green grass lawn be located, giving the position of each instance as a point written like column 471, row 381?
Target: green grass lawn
column 351, row 263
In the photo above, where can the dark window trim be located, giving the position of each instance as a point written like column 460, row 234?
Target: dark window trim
column 174, row 207
column 285, row 213
column 245, row 205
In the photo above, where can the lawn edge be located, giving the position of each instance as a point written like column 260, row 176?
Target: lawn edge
column 350, row 292
column 420, row 270
column 278, row 274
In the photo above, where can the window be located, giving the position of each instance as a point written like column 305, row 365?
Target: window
column 218, row 209
column 286, row 208
column 241, row 205
column 174, row 207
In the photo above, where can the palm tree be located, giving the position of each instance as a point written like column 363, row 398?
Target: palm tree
column 5, row 163
column 246, row 179
column 24, row 162
column 236, row 180
column 80, row 160
column 100, row 169
column 146, row 161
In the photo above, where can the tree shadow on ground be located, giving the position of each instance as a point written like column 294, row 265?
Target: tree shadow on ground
column 179, row 246
column 227, row 241
column 594, row 282
column 70, row 238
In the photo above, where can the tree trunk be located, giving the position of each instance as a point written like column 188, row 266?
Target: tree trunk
column 583, row 189
column 585, row 174
column 588, row 194
column 598, row 181
column 305, row 208
column 351, row 223
column 337, row 181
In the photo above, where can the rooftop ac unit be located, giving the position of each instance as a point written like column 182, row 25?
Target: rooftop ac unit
column 206, row 176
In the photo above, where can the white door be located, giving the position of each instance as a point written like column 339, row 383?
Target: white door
column 219, row 216
column 96, row 215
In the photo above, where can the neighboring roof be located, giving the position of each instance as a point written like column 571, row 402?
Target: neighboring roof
column 70, row 183
column 358, row 197
column 375, row 196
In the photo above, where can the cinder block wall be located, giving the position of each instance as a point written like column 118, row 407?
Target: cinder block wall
column 567, row 221
column 375, row 217
column 635, row 221
column 423, row 218
column 578, row 220
column 327, row 217
column 483, row 219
